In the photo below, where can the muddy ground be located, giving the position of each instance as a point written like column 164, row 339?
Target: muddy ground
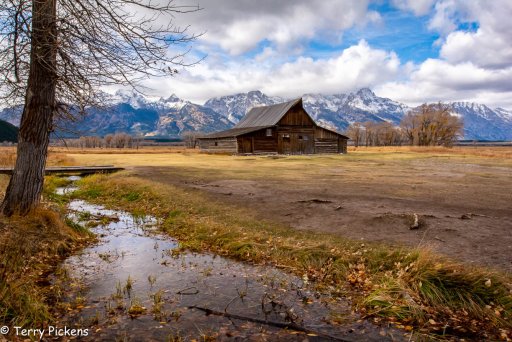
column 464, row 206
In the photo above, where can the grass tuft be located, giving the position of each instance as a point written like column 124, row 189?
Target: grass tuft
column 30, row 248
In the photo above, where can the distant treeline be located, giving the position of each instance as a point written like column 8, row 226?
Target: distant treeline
column 428, row 125
column 119, row 140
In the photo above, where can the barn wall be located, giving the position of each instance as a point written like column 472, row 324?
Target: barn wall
column 296, row 116
column 264, row 144
column 325, row 134
column 295, row 140
column 258, row 142
column 221, row 145
column 329, row 142
column 326, row 145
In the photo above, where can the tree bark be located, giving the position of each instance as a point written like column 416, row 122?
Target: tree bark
column 24, row 190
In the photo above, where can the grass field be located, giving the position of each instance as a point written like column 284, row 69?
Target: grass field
column 309, row 214
column 376, row 191
column 343, row 222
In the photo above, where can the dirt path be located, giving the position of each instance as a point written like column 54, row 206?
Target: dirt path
column 464, row 210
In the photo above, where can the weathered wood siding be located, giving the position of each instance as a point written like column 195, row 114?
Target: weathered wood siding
column 296, row 132
column 221, row 145
column 296, row 116
column 326, row 145
column 329, row 142
column 258, row 142
column 295, row 140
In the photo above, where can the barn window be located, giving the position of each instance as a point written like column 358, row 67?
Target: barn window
column 305, row 138
column 269, row 132
column 300, row 137
column 216, row 143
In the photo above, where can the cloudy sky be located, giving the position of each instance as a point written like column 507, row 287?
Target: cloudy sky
column 412, row 51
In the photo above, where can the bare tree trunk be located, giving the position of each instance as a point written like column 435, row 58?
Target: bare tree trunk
column 26, row 184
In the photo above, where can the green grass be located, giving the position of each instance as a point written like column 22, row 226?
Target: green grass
column 411, row 286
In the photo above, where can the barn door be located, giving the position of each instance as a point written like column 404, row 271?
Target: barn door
column 247, row 145
column 284, row 143
column 305, row 144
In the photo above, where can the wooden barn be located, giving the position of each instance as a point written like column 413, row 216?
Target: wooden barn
column 284, row 128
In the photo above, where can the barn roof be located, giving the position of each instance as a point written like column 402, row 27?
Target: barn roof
column 267, row 115
column 233, row 132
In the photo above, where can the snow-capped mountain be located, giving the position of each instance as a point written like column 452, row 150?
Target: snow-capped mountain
column 12, row 115
column 234, row 107
column 134, row 113
column 484, row 123
column 339, row 111
column 334, row 111
column 168, row 117
column 177, row 116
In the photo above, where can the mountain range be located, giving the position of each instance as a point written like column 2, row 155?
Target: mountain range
column 133, row 113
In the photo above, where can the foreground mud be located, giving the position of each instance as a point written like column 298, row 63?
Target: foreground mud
column 134, row 285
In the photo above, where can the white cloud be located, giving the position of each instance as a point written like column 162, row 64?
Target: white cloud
column 490, row 45
column 436, row 80
column 444, row 18
column 473, row 65
column 239, row 26
column 355, row 67
column 418, row 7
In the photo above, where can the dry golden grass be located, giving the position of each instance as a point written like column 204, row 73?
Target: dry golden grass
column 399, row 169
column 140, row 150
column 8, row 158
column 501, row 152
column 439, row 176
column 30, row 249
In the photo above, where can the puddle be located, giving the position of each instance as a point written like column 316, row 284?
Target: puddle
column 70, row 188
column 133, row 286
column 66, row 190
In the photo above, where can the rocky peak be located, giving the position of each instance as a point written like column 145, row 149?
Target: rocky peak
column 172, row 98
column 365, row 93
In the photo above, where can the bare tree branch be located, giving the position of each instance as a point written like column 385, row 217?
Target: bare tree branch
column 55, row 55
